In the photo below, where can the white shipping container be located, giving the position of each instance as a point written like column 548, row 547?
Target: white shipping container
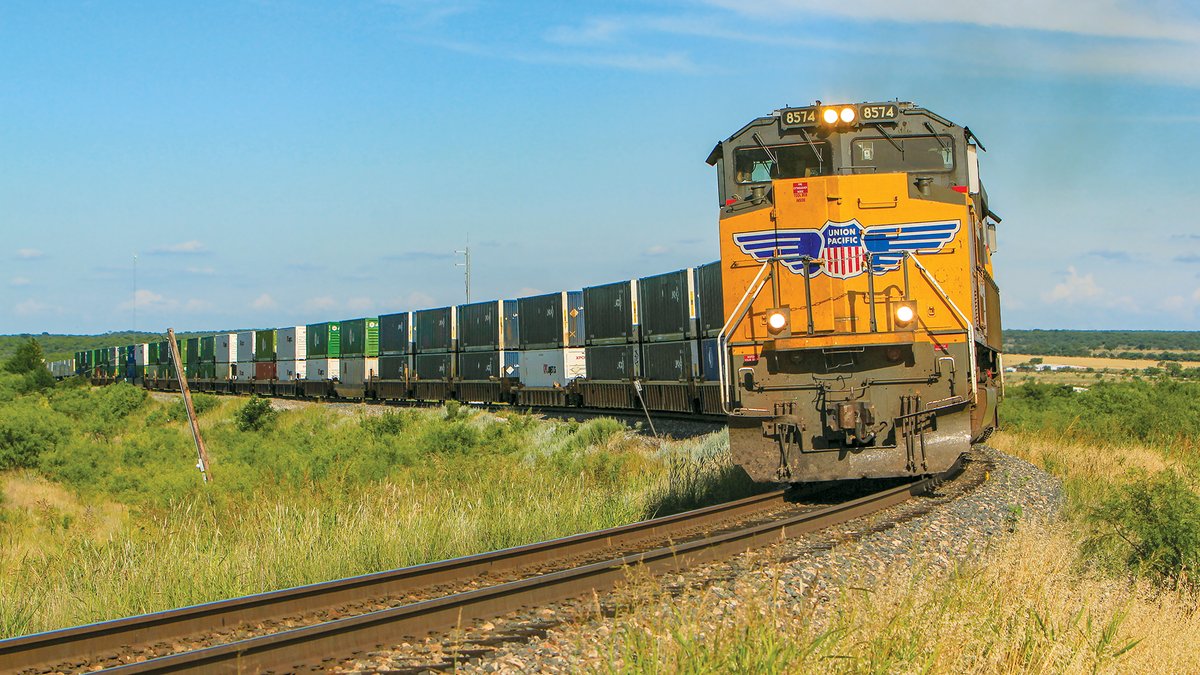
column 322, row 369
column 245, row 371
column 552, row 367
column 287, row 371
column 245, row 348
column 290, row 344
column 141, row 354
column 225, row 349
column 358, row 369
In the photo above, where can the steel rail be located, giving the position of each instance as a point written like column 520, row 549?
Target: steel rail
column 73, row 644
column 342, row 638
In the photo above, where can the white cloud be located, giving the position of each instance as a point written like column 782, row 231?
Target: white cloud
column 201, row 271
column 1173, row 303
column 182, row 248
column 419, row 300
column 1104, row 18
column 149, row 300
column 19, row 281
column 1196, row 295
column 31, row 307
column 1074, row 289
column 322, row 302
column 591, row 32
column 359, row 304
column 264, row 301
column 29, row 253
column 657, row 249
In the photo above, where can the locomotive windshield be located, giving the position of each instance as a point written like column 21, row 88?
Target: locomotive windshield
column 903, row 153
column 756, row 165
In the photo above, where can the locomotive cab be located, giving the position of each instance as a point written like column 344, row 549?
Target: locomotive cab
column 863, row 323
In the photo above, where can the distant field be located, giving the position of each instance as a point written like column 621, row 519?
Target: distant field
column 1148, row 345
column 1090, row 362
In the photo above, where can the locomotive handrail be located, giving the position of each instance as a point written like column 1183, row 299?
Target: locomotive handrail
column 962, row 318
column 735, row 319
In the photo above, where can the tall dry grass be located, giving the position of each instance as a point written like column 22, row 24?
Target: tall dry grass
column 1026, row 609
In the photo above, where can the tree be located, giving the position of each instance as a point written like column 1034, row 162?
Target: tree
column 27, row 359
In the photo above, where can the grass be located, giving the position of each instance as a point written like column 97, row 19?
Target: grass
column 105, row 514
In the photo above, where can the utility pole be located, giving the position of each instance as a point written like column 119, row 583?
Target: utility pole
column 201, row 451
column 135, row 291
column 466, row 253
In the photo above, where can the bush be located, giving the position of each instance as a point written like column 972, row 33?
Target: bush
column 1153, row 522
column 255, row 415
column 201, row 403
column 389, row 423
column 26, row 431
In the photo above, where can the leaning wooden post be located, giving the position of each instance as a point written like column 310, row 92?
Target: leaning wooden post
column 203, row 464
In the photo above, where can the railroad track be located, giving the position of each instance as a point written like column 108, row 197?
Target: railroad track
column 297, row 628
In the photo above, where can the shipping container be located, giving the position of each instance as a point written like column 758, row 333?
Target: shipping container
column 395, row 366
column 486, row 366
column 394, row 334
column 290, row 344
column 193, row 351
column 613, row 362
column 667, row 306
column 709, row 360
column 141, row 354
column 434, row 366
column 671, row 361
column 225, row 348
column 552, row 367
column 711, row 299
column 264, row 345
column 552, row 320
column 206, row 370
column 355, row 370
column 322, row 369
column 323, row 341
column 245, row 371
column 612, row 313
column 245, row 346
column 208, row 349
column 264, row 370
column 290, row 371
column 487, row 326
column 433, row 330
column 360, row 337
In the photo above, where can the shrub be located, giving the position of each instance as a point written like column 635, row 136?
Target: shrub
column 201, row 403
column 26, row 431
column 255, row 415
column 451, row 438
column 389, row 423
column 1153, row 522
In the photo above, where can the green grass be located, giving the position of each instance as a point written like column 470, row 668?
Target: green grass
column 107, row 516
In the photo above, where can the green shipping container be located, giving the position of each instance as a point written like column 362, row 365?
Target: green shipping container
column 206, row 370
column 193, row 352
column 264, row 345
column 208, row 349
column 324, row 340
column 360, row 337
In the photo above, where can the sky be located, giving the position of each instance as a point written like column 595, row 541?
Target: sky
column 229, row 164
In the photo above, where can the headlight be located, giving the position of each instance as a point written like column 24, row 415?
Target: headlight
column 848, row 114
column 779, row 321
column 830, row 116
column 905, row 314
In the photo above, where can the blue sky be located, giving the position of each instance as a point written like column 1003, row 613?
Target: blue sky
column 279, row 162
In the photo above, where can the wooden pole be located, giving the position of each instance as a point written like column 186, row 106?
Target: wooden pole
column 201, row 451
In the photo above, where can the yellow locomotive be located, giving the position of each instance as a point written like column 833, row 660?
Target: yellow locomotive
column 863, row 321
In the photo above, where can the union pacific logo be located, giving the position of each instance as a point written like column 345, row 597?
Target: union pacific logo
column 842, row 247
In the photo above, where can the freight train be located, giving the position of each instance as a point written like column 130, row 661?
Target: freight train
column 850, row 329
